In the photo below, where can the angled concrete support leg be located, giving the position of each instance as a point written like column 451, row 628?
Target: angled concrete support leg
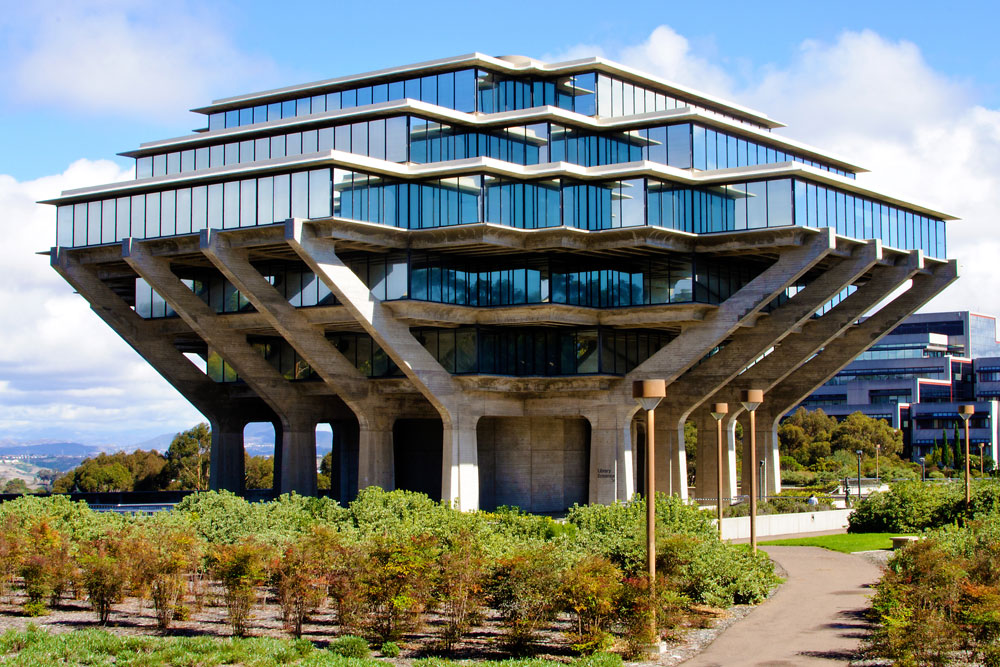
column 706, row 475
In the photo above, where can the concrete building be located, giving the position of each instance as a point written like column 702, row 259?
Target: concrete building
column 917, row 377
column 462, row 265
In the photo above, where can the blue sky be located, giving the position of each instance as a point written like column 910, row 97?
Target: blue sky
column 905, row 88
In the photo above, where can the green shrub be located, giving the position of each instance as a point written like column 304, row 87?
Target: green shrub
column 459, row 591
column 389, row 650
column 241, row 568
column 589, row 589
column 164, row 555
column 907, row 507
column 396, row 583
column 105, row 574
column 524, row 589
column 301, row 577
column 617, row 531
column 350, row 646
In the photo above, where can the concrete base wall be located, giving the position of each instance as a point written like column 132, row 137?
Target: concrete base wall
column 540, row 464
column 738, row 527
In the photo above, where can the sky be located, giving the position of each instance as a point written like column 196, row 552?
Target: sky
column 909, row 90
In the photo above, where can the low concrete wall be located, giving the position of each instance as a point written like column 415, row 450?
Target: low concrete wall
column 772, row 525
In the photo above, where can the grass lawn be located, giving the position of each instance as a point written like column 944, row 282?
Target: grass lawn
column 38, row 648
column 846, row 542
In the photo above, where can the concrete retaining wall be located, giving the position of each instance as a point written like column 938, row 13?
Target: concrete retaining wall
column 772, row 525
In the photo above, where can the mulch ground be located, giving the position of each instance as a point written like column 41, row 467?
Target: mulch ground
column 207, row 617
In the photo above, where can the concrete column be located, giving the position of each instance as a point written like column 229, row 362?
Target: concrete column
column 706, row 476
column 767, row 449
column 612, row 475
column 459, row 463
column 226, row 467
column 375, row 452
column 671, row 456
column 296, row 470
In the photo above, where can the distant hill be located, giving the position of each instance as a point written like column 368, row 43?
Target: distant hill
column 49, row 449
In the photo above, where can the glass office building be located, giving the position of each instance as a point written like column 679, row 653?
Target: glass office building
column 496, row 232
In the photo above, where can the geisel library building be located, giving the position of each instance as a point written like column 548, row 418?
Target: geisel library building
column 463, row 265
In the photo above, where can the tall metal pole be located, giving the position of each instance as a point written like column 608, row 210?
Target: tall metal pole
column 858, row 452
column 649, row 393
column 719, row 410
column 753, row 481
column 751, row 400
column 650, row 501
column 965, row 412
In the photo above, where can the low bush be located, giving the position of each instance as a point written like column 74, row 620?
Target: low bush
column 240, row 568
column 105, row 574
column 396, row 582
column 524, row 589
column 912, row 506
column 937, row 603
column 350, row 646
column 389, row 650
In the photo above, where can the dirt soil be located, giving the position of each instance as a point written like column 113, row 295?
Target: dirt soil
column 136, row 617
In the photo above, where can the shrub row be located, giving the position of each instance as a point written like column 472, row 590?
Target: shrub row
column 917, row 506
column 939, row 601
column 383, row 563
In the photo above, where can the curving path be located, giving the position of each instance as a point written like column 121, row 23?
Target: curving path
column 815, row 617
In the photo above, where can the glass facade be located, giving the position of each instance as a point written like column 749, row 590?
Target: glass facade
column 419, row 140
column 508, row 351
column 478, row 90
column 475, row 198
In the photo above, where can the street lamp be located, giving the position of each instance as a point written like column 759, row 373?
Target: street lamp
column 878, row 448
column 648, row 394
column 923, row 470
column 858, row 452
column 982, row 468
column 719, row 410
column 966, row 411
column 751, row 399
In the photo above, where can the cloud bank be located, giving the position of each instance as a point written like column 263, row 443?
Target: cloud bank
column 63, row 372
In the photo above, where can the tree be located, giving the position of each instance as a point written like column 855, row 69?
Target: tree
column 858, row 431
column 188, row 458
column 259, row 472
column 323, row 479
column 946, row 452
column 138, row 471
column 16, row 485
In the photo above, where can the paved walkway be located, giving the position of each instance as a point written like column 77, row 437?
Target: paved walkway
column 815, row 618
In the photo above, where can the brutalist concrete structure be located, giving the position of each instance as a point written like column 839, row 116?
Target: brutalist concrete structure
column 463, row 264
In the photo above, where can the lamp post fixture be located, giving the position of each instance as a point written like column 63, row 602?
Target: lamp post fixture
column 751, row 399
column 761, row 493
column 648, row 394
column 982, row 468
column 719, row 410
column 966, row 411
column 923, row 469
column 859, row 452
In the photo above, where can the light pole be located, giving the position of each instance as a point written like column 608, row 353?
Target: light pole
column 878, row 448
column 966, row 411
column 719, row 410
column 923, row 470
column 751, row 399
column 982, row 468
column 761, row 493
column 648, row 394
column 858, row 452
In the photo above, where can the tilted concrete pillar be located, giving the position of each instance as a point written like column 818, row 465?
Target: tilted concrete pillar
column 697, row 340
column 293, row 471
column 612, row 453
column 227, row 465
column 460, row 477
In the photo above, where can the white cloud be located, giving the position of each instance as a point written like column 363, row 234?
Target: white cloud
column 63, row 372
column 878, row 104
column 125, row 56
